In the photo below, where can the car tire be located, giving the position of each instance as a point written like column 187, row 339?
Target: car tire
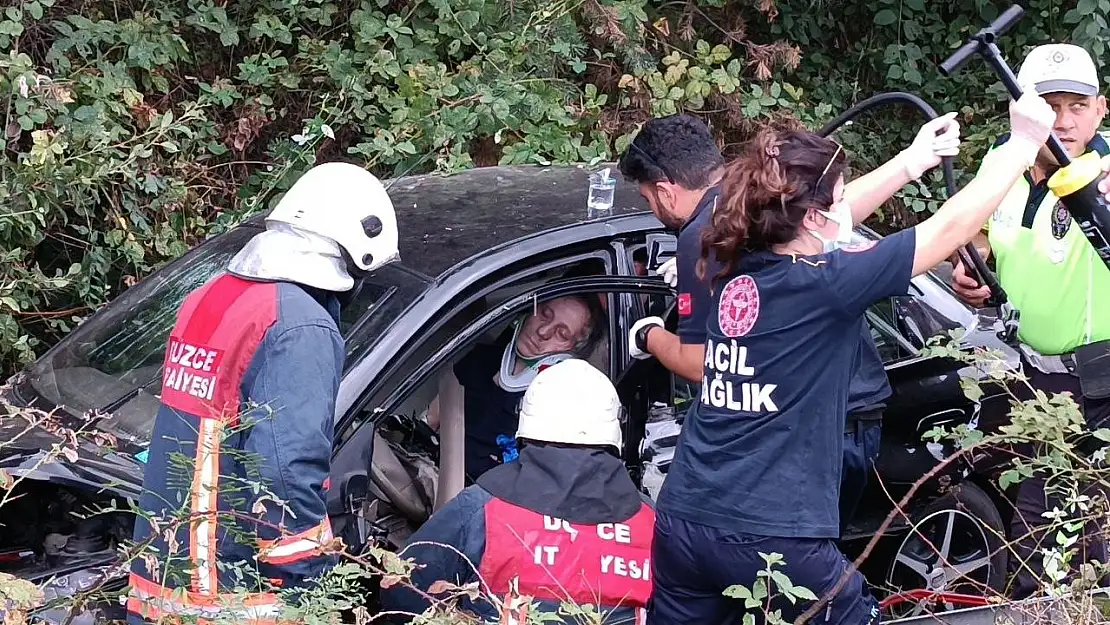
column 974, row 551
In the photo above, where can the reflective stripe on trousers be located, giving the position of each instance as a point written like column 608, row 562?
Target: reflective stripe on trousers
column 296, row 547
column 155, row 602
column 206, row 481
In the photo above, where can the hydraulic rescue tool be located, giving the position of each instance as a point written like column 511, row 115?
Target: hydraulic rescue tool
column 971, row 259
column 1076, row 182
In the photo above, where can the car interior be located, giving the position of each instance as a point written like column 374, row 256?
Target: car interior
column 417, row 467
column 417, row 464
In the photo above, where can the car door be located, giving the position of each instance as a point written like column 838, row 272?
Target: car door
column 359, row 475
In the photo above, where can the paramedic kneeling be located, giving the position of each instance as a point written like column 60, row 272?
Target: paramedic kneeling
column 757, row 468
column 565, row 519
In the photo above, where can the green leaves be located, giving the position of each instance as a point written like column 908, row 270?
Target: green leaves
column 34, row 10
column 971, row 389
column 442, row 84
column 468, row 19
column 885, row 17
column 752, row 598
column 770, row 584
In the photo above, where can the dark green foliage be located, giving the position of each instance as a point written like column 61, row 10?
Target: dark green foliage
column 132, row 130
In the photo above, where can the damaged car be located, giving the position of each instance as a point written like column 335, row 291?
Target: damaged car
column 479, row 251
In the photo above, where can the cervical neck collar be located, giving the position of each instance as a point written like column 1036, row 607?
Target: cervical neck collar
column 518, row 382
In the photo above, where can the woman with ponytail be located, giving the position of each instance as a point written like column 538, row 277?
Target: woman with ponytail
column 757, row 468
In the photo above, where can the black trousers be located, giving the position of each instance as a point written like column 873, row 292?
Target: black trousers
column 693, row 564
column 862, row 438
column 1028, row 526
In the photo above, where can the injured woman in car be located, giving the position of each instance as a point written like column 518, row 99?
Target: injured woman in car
column 494, row 376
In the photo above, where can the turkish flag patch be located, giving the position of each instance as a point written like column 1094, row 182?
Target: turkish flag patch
column 685, row 306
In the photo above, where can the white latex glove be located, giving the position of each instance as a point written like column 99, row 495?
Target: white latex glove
column 633, row 349
column 1031, row 121
column 669, row 271
column 940, row 137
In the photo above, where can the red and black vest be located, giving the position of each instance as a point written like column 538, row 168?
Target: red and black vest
column 528, row 554
column 217, row 335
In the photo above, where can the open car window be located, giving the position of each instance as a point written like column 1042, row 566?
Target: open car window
column 404, row 427
column 471, row 326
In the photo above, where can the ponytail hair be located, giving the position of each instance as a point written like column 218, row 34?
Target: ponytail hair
column 767, row 192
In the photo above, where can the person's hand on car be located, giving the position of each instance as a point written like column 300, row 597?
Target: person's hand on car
column 939, row 137
column 967, row 287
column 669, row 271
column 637, row 337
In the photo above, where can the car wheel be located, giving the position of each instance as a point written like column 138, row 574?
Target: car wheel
column 955, row 547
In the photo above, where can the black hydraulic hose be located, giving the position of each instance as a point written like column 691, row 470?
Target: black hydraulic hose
column 969, row 256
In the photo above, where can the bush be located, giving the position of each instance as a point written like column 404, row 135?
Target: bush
column 134, row 130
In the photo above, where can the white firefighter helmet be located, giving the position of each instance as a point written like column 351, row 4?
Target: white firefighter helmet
column 571, row 402
column 347, row 204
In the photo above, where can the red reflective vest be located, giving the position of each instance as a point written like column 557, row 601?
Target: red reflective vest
column 220, row 333
column 534, row 555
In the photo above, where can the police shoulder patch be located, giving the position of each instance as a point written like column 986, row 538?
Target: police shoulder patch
column 685, row 304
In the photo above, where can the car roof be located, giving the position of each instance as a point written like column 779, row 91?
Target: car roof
column 446, row 219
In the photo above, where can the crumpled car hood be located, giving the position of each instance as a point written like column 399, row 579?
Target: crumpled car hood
column 59, row 450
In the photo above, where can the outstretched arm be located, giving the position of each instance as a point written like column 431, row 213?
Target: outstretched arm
column 447, row 547
column 963, row 215
column 937, row 138
column 683, row 359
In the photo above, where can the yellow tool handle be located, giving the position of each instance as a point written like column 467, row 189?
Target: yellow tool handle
column 1077, row 187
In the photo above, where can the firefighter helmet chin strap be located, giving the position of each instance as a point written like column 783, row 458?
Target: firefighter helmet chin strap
column 359, row 278
column 518, row 382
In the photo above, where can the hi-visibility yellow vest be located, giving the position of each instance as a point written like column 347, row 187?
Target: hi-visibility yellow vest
column 1050, row 272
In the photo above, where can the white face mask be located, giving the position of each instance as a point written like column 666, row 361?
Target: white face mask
column 841, row 213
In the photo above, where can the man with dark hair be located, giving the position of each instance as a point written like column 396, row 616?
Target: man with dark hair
column 680, row 151
column 678, row 166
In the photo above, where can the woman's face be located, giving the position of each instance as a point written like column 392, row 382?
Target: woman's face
column 826, row 227
column 557, row 326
